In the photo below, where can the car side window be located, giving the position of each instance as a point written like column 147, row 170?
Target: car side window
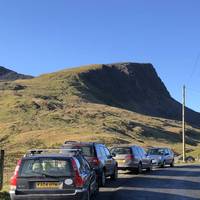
column 171, row 152
column 86, row 165
column 140, row 152
column 108, row 155
column 135, row 152
column 166, row 151
column 78, row 165
column 81, row 164
column 103, row 153
column 143, row 151
column 98, row 151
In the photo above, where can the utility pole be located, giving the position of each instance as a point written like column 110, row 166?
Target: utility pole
column 183, row 123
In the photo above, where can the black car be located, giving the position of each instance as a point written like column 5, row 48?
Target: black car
column 56, row 176
column 133, row 158
column 99, row 158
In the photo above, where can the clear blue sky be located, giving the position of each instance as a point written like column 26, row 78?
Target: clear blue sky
column 40, row 36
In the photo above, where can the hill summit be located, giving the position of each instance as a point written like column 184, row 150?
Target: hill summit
column 132, row 86
column 9, row 75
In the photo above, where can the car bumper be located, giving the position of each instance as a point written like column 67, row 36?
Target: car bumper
column 127, row 166
column 156, row 162
column 78, row 195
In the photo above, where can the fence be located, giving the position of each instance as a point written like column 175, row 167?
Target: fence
column 1, row 168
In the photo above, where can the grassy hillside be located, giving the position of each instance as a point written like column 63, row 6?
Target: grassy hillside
column 45, row 111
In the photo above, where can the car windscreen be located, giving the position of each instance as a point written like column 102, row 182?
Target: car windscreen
column 121, row 150
column 45, row 167
column 155, row 151
column 87, row 151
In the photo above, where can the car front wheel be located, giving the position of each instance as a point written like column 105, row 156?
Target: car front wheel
column 114, row 176
column 163, row 164
column 149, row 169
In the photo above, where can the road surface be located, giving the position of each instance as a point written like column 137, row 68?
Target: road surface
column 178, row 183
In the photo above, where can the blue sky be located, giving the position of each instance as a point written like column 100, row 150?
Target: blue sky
column 40, row 36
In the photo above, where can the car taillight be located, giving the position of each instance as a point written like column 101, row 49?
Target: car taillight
column 95, row 161
column 129, row 157
column 13, row 180
column 78, row 180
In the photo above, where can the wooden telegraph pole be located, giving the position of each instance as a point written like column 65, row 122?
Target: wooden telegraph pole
column 183, row 123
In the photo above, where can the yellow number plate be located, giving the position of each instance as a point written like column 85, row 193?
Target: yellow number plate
column 47, row 185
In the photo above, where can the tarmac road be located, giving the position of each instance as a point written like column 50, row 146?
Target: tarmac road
column 178, row 183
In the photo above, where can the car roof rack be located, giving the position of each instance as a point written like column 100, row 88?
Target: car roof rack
column 71, row 142
column 68, row 151
column 79, row 142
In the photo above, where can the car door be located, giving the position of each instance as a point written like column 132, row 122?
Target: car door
column 136, row 156
column 83, row 171
column 166, row 156
column 169, row 157
column 92, row 175
column 110, row 162
column 145, row 160
column 104, row 159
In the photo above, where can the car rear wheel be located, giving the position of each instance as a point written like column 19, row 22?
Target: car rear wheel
column 172, row 164
column 139, row 169
column 114, row 176
column 102, row 180
column 96, row 192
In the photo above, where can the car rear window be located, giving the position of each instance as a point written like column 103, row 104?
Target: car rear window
column 87, row 151
column 45, row 166
column 156, row 151
column 121, row 150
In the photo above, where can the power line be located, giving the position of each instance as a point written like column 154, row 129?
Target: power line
column 194, row 90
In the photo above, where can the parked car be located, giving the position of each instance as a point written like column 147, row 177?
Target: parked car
column 162, row 156
column 133, row 158
column 99, row 158
column 54, row 176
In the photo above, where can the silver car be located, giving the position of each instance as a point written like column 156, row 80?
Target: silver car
column 161, row 156
column 133, row 158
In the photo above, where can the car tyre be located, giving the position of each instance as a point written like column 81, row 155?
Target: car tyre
column 149, row 169
column 172, row 164
column 163, row 164
column 139, row 169
column 96, row 192
column 88, row 197
column 102, row 180
column 114, row 176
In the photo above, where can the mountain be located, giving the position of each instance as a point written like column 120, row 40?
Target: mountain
column 134, row 87
column 114, row 104
column 9, row 75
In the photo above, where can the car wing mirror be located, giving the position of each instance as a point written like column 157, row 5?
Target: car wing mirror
column 113, row 154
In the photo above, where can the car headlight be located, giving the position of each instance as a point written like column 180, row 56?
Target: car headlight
column 153, row 161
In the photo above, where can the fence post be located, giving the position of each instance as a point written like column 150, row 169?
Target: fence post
column 1, row 168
